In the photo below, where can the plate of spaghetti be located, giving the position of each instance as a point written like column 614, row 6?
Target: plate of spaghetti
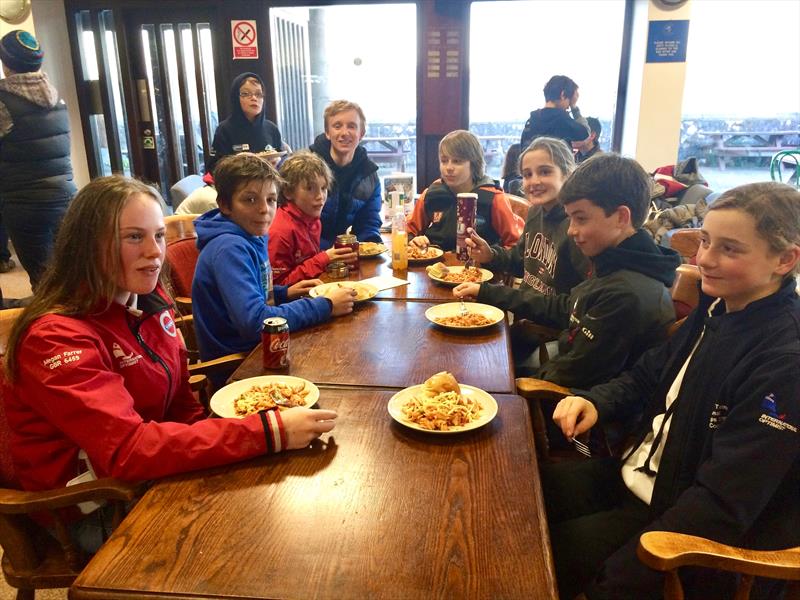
column 478, row 315
column 364, row 291
column 454, row 275
column 248, row 396
column 442, row 405
column 418, row 255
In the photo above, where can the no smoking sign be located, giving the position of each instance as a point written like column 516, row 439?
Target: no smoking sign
column 245, row 39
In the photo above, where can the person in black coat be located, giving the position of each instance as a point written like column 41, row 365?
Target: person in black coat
column 247, row 129
column 560, row 95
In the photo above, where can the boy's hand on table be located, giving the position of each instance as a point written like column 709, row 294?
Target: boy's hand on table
column 478, row 248
column 345, row 255
column 303, row 425
column 301, row 288
column 574, row 415
column 466, row 291
column 421, row 241
column 342, row 299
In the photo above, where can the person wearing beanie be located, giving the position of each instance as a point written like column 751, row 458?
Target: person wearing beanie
column 36, row 182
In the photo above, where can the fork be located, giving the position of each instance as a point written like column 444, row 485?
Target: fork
column 463, row 310
column 581, row 447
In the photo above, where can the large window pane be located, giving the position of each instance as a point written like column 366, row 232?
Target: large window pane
column 318, row 58
column 742, row 96
column 515, row 47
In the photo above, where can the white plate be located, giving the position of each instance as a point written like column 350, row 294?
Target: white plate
column 488, row 408
column 437, row 253
column 377, row 249
column 222, row 400
column 486, row 275
column 451, row 309
column 365, row 291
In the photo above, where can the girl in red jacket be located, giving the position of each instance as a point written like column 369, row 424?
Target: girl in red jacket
column 294, row 250
column 96, row 373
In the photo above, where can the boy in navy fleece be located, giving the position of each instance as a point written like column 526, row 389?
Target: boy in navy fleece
column 232, row 291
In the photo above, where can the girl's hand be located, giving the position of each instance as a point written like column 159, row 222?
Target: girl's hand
column 421, row 241
column 345, row 255
column 467, row 291
column 301, row 288
column 342, row 299
column 478, row 247
column 303, row 425
column 574, row 415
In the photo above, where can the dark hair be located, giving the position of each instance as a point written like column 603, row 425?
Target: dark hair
column 234, row 170
column 610, row 181
column 775, row 208
column 511, row 161
column 595, row 127
column 556, row 85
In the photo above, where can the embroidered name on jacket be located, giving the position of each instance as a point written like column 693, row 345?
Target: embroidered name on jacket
column 718, row 416
column 63, row 358
column 772, row 417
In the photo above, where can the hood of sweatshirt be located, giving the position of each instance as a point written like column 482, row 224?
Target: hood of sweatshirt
column 237, row 114
column 214, row 224
column 641, row 254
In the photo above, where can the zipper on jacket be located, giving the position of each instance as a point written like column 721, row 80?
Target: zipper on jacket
column 153, row 356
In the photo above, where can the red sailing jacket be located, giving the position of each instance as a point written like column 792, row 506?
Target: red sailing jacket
column 115, row 384
column 294, row 246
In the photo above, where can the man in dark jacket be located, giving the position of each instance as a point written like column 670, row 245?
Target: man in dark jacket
column 35, row 170
column 247, row 129
column 560, row 94
column 355, row 199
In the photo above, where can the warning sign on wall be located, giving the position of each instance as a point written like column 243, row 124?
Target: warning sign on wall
column 245, row 40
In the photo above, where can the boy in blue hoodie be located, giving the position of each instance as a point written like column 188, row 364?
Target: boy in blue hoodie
column 232, row 291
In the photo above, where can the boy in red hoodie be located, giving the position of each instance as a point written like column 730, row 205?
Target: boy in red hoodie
column 294, row 249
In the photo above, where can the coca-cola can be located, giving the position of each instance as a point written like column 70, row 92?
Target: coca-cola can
column 466, row 213
column 275, row 343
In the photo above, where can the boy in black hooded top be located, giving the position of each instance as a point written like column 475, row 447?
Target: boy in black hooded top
column 624, row 308
column 246, row 130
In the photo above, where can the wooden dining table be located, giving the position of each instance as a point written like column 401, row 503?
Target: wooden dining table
column 374, row 509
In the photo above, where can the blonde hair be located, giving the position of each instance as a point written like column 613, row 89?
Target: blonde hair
column 80, row 278
column 463, row 145
column 775, row 208
column 303, row 167
column 339, row 106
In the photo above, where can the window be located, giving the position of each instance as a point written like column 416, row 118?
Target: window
column 741, row 100
column 515, row 47
column 324, row 54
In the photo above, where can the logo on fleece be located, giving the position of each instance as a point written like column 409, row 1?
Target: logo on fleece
column 772, row 417
column 167, row 324
column 125, row 360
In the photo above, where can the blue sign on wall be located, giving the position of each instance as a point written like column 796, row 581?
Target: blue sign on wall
column 666, row 41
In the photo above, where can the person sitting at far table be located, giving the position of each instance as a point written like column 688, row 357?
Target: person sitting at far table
column 355, row 198
column 96, row 380
column 624, row 308
column 294, row 248
column 717, row 453
column 591, row 145
column 434, row 218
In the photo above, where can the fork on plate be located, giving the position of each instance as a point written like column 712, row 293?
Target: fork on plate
column 463, row 310
column 581, row 447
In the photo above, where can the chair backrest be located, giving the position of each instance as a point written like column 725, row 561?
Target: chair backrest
column 519, row 206
column 7, row 475
column 183, row 188
column 685, row 291
column 182, row 258
column 180, row 227
column 781, row 159
column 686, row 242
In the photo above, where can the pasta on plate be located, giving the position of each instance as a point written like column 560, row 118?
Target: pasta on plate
column 265, row 397
column 441, row 406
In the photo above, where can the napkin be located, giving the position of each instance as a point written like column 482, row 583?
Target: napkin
column 384, row 282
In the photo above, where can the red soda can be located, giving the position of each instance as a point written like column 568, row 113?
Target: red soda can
column 275, row 343
column 347, row 240
column 466, row 213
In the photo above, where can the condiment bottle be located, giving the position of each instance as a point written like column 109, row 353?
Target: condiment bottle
column 399, row 242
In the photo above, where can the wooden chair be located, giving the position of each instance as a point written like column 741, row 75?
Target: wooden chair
column 519, row 206
column 182, row 258
column 685, row 291
column 33, row 558
column 180, row 227
column 686, row 242
column 667, row 552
